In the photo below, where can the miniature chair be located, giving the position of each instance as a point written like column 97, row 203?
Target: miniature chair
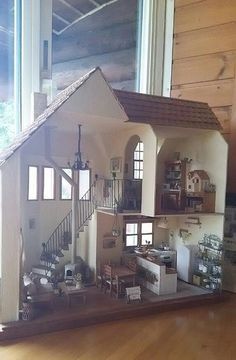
column 110, row 283
column 100, row 283
column 133, row 293
column 128, row 281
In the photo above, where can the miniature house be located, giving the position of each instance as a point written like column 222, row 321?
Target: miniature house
column 128, row 139
column 197, row 181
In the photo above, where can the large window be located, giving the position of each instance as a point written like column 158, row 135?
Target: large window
column 7, row 34
column 65, row 186
column 32, row 183
column 48, row 183
column 138, row 161
column 84, row 183
column 108, row 37
column 138, row 233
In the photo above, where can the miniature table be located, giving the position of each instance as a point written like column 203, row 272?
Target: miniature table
column 72, row 292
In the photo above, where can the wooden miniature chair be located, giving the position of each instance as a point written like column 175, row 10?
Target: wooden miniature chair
column 110, row 282
column 133, row 293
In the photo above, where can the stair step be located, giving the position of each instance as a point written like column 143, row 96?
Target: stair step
column 45, row 263
column 59, row 254
column 65, row 247
column 42, row 270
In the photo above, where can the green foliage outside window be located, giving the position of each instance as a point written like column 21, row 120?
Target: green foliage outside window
column 7, row 123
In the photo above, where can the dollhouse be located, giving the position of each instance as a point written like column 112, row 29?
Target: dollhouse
column 130, row 183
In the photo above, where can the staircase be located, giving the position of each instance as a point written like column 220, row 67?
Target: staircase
column 61, row 238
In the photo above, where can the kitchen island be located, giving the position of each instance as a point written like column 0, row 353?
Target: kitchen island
column 157, row 277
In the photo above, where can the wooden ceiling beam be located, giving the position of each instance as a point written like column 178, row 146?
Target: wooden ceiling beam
column 95, row 3
column 85, row 15
column 77, row 11
column 61, row 18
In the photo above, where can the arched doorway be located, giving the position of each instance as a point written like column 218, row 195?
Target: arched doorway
column 133, row 173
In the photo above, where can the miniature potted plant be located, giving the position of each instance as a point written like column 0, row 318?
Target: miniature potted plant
column 78, row 280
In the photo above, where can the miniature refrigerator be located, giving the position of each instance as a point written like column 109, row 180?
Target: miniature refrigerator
column 185, row 262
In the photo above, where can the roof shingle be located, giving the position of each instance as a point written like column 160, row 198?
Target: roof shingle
column 159, row 110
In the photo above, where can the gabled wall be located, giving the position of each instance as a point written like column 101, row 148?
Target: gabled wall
column 10, row 238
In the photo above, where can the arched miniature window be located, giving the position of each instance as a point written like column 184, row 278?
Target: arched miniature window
column 138, row 161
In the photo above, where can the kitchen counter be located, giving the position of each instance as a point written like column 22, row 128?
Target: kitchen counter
column 159, row 279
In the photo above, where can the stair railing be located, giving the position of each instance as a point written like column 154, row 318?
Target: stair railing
column 86, row 206
column 119, row 194
column 62, row 236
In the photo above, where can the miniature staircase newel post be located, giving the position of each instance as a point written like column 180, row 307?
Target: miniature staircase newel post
column 74, row 225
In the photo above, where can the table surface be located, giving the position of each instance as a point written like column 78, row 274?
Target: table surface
column 122, row 271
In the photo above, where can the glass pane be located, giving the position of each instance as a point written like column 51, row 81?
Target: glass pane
column 136, row 174
column 137, row 147
column 146, row 228
column 7, row 34
column 136, row 165
column 131, row 228
column 131, row 240
column 141, row 156
column 33, row 183
column 107, row 38
column 141, row 165
column 146, row 238
column 140, row 174
column 48, row 183
column 84, row 183
column 141, row 146
column 65, row 186
column 136, row 155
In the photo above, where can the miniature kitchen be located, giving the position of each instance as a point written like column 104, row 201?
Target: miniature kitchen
column 181, row 247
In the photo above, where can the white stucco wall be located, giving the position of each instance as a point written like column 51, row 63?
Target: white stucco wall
column 208, row 152
column 10, row 238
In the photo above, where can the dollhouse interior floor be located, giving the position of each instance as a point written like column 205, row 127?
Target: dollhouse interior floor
column 100, row 307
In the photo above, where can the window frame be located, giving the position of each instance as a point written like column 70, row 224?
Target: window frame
column 54, row 183
column 60, row 185
column 89, row 198
column 28, row 182
column 140, row 171
column 139, row 223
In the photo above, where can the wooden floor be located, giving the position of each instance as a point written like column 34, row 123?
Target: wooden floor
column 206, row 332
column 100, row 307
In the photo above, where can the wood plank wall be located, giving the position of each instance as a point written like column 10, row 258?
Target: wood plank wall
column 204, row 59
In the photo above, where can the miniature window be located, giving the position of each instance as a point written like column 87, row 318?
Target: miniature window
column 138, row 233
column 131, row 234
column 84, row 184
column 146, row 233
column 138, row 161
column 33, row 183
column 66, row 189
column 48, row 183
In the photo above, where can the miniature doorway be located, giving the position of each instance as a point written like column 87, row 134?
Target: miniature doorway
column 133, row 173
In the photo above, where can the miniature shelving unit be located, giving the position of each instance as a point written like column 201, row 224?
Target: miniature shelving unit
column 173, row 192
column 200, row 202
column 208, row 264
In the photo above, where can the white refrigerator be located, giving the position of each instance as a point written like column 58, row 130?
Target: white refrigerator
column 185, row 262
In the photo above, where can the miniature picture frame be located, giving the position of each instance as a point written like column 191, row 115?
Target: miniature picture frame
column 116, row 164
column 109, row 242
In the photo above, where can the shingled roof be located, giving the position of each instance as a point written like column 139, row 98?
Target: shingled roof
column 159, row 110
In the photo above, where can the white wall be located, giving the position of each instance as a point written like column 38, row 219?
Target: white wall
column 10, row 238
column 104, row 227
column 207, row 151
column 115, row 146
column 209, row 224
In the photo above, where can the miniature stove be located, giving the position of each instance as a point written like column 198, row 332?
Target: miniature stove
column 69, row 272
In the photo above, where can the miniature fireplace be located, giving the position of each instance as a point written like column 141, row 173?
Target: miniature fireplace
column 69, row 271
